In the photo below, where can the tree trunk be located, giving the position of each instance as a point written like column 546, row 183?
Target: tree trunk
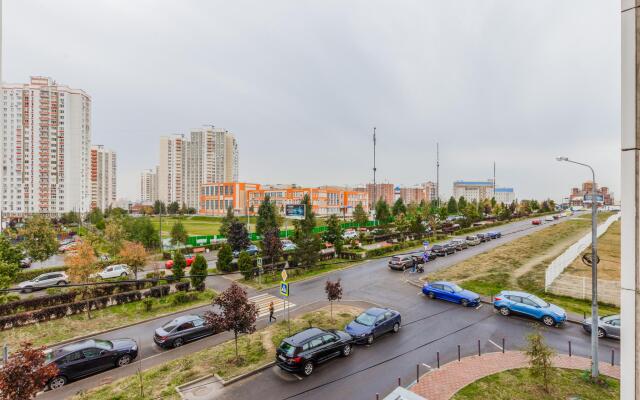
column 236, row 340
column 331, row 308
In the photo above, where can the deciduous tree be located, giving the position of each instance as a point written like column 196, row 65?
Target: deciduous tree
column 159, row 207
column 333, row 234
column 382, row 212
column 25, row 373
column 228, row 219
column 308, row 243
column 398, row 207
column 178, row 233
column 236, row 314
column 245, row 265
column 114, row 235
column 134, row 255
column 9, row 253
column 81, row 266
column 540, row 359
column 238, row 237
column 173, row 208
column 40, row 239
column 334, row 292
column 360, row 216
column 271, row 245
column 462, row 203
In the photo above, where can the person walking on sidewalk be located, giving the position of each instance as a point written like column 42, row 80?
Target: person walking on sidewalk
column 271, row 311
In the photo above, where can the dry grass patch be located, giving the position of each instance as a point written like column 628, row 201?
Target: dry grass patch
column 609, row 253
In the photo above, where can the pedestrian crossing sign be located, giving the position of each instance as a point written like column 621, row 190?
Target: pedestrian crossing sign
column 284, row 289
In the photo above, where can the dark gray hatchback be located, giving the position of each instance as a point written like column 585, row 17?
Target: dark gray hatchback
column 182, row 329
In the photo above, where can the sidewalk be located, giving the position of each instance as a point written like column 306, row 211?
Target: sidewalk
column 443, row 383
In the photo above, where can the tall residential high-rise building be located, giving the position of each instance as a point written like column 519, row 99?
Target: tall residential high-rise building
column 384, row 191
column 149, row 186
column 431, row 191
column 482, row 190
column 103, row 177
column 45, row 131
column 209, row 155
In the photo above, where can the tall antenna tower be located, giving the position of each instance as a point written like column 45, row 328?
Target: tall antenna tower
column 494, row 179
column 438, row 173
column 375, row 187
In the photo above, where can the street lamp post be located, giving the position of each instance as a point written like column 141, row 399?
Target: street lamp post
column 594, row 270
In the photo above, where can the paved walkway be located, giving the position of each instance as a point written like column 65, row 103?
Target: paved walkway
column 443, row 383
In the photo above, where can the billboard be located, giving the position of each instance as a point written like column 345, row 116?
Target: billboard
column 294, row 210
column 587, row 198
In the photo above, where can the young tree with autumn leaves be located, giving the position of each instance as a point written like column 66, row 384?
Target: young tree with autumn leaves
column 81, row 265
column 334, row 292
column 25, row 373
column 236, row 314
column 134, row 255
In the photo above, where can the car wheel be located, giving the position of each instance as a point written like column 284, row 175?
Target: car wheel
column 57, row 382
column 307, row 369
column 61, row 283
column 431, row 295
column 370, row 339
column 505, row 311
column 123, row 360
column 28, row 289
column 346, row 350
column 178, row 342
column 124, row 274
column 464, row 302
column 601, row 333
column 548, row 321
column 396, row 327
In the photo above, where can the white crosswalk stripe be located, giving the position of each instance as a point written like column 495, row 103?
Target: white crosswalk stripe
column 262, row 302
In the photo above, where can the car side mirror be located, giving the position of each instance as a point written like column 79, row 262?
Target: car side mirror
column 103, row 352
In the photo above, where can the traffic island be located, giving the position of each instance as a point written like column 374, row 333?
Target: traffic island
column 477, row 374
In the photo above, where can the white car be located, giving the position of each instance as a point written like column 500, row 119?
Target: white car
column 350, row 234
column 44, row 281
column 549, row 218
column 114, row 271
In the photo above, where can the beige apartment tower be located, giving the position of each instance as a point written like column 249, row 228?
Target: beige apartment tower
column 103, row 177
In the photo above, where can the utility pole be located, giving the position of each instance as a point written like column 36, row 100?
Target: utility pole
column 375, row 187
column 494, row 179
column 438, row 174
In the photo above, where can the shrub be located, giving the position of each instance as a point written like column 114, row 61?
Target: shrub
column 159, row 291
column 183, row 286
column 182, row 298
column 148, row 303
column 200, row 287
column 225, row 257
column 245, row 265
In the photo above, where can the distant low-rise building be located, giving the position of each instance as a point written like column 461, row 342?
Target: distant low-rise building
column 482, row 190
column 581, row 197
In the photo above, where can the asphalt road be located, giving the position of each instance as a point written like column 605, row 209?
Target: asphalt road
column 428, row 327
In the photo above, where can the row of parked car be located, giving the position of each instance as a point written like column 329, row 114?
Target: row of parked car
column 402, row 262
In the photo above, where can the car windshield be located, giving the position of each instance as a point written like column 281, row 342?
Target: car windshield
column 456, row 288
column 395, row 259
column 366, row 319
column 287, row 348
column 539, row 301
column 104, row 344
column 169, row 326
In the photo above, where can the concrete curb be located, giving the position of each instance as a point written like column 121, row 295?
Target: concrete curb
column 245, row 375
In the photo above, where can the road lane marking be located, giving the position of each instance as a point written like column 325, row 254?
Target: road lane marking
column 262, row 302
column 480, row 305
column 427, row 365
column 298, row 376
column 495, row 344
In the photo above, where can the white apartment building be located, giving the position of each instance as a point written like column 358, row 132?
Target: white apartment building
column 210, row 155
column 149, row 186
column 45, row 141
column 481, row 190
column 103, row 177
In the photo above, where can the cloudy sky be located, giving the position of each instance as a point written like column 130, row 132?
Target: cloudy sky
column 302, row 84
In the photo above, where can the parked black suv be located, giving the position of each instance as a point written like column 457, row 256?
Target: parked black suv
column 304, row 350
column 183, row 329
column 88, row 357
column 443, row 249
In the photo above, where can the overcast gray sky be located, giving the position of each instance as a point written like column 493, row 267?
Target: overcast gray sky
column 302, row 83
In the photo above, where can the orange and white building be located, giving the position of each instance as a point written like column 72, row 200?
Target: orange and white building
column 245, row 198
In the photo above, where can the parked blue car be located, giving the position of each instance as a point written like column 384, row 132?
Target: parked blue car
column 494, row 235
column 451, row 292
column 252, row 250
column 373, row 323
column 507, row 302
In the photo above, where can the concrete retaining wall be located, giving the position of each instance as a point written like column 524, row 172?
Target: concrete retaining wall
column 580, row 287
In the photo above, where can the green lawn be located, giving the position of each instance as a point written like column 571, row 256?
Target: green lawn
column 518, row 384
column 255, row 350
column 494, row 270
column 57, row 330
column 204, row 225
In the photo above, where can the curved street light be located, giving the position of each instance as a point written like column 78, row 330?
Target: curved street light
column 594, row 269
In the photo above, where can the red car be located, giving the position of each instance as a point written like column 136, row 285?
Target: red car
column 189, row 258
column 536, row 222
